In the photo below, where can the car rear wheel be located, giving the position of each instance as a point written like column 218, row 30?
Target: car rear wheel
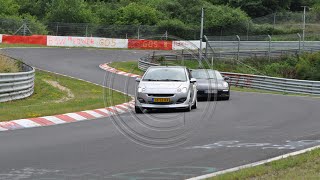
column 138, row 110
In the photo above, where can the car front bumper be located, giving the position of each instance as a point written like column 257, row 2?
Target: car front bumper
column 219, row 93
column 173, row 104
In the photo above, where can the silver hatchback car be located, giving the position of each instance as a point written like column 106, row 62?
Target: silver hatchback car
column 166, row 87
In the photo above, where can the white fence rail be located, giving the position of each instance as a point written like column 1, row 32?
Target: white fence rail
column 15, row 86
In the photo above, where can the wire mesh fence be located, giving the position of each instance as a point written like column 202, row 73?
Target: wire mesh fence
column 282, row 26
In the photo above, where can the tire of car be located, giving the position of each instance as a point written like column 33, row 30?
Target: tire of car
column 194, row 106
column 188, row 109
column 138, row 110
column 226, row 98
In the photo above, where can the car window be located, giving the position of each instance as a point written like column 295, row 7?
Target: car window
column 206, row 74
column 165, row 74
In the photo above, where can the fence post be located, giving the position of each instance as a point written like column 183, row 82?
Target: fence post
column 87, row 30
column 139, row 31
column 57, row 29
column 239, row 40
column 269, row 50
column 299, row 41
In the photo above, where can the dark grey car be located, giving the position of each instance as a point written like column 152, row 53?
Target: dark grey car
column 210, row 83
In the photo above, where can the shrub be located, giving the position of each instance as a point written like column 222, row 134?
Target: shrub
column 8, row 65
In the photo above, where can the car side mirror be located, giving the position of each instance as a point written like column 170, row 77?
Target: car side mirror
column 193, row 80
column 138, row 79
column 226, row 78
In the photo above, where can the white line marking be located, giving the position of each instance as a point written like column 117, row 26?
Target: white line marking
column 54, row 119
column 76, row 116
column 105, row 111
column 118, row 110
column 254, row 164
column 94, row 114
column 122, row 106
column 27, row 123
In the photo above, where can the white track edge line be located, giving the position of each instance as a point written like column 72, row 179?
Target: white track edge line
column 255, row 163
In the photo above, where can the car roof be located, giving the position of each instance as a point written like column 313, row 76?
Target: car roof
column 204, row 70
column 168, row 67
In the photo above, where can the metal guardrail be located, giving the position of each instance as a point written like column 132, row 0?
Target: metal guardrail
column 14, row 86
column 274, row 84
column 254, row 81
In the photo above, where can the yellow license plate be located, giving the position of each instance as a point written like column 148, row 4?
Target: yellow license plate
column 161, row 100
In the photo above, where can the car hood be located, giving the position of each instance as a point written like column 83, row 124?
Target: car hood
column 162, row 87
column 203, row 84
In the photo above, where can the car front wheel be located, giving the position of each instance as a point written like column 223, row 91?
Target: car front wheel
column 138, row 110
column 194, row 106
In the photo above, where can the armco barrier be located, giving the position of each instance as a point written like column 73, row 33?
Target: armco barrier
column 274, row 84
column 253, row 81
column 15, row 86
column 34, row 39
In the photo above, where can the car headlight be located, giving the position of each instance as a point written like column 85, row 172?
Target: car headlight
column 141, row 89
column 182, row 90
column 225, row 84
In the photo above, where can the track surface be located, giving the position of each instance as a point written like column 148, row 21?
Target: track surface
column 98, row 150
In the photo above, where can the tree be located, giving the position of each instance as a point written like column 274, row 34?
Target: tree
column 70, row 11
column 135, row 14
column 33, row 7
column 175, row 27
column 225, row 17
column 8, row 8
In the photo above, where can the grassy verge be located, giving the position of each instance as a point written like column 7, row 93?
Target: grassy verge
column 19, row 45
column 304, row 166
column 71, row 96
column 8, row 65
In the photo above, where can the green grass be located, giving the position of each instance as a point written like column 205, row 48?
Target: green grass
column 44, row 100
column 34, row 45
column 19, row 45
column 304, row 166
column 8, row 65
column 127, row 66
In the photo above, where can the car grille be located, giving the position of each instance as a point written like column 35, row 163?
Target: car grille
column 167, row 103
column 161, row 95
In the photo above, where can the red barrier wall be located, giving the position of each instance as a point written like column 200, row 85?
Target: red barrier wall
column 149, row 44
column 34, row 39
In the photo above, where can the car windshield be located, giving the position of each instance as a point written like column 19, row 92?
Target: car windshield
column 206, row 74
column 165, row 74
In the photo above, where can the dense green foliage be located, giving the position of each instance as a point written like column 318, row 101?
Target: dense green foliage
column 305, row 66
column 176, row 16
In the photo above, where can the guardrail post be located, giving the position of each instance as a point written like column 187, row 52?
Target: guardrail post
column 298, row 34
column 239, row 40
column 269, row 50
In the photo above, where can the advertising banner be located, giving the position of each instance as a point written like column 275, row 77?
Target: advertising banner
column 69, row 41
column 34, row 39
column 149, row 44
column 192, row 45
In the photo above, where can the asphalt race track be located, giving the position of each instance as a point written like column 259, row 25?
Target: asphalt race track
column 160, row 145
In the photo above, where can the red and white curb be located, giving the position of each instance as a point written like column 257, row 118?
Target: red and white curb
column 66, row 118
column 115, row 71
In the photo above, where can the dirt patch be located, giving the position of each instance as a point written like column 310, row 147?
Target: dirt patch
column 55, row 84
